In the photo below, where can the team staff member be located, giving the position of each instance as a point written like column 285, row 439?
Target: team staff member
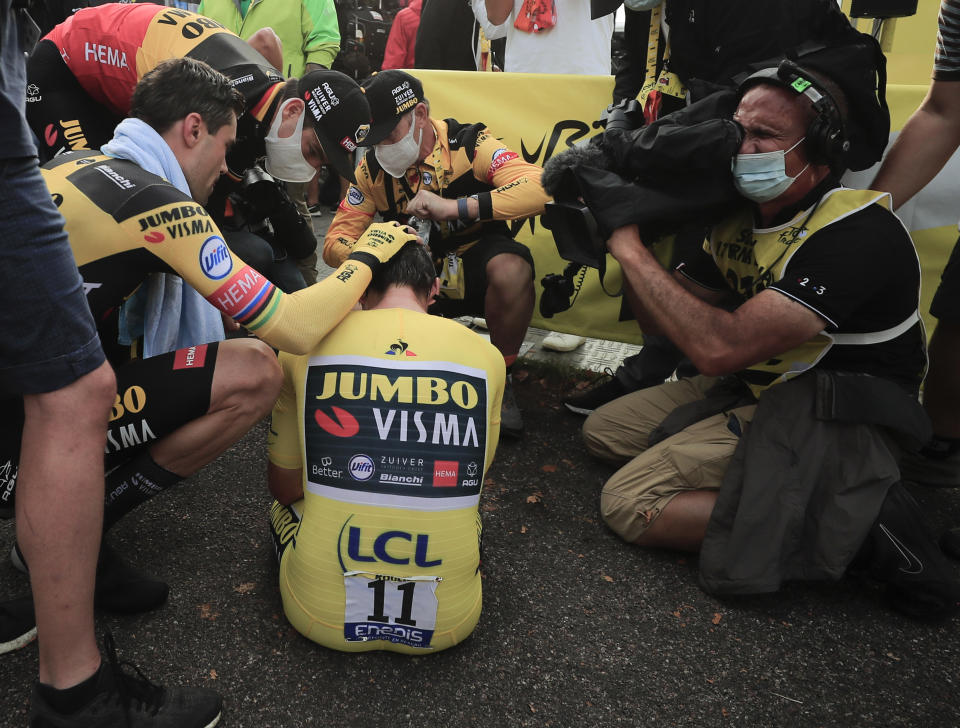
column 176, row 412
column 464, row 180
column 385, row 431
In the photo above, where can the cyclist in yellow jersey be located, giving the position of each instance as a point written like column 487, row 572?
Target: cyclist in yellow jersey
column 380, row 441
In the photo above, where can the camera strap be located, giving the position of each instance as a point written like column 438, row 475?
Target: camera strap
column 657, row 85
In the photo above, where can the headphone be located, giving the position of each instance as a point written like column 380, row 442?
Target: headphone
column 827, row 141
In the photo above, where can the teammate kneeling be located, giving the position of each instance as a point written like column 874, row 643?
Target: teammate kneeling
column 380, row 441
column 176, row 412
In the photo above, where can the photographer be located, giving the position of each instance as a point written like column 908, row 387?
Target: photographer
column 465, row 183
column 781, row 459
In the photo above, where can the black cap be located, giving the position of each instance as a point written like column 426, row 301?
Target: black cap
column 391, row 94
column 338, row 109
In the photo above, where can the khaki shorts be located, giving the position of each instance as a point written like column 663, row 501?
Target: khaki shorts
column 694, row 458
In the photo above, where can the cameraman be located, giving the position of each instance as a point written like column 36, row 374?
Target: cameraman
column 695, row 47
column 463, row 180
column 820, row 308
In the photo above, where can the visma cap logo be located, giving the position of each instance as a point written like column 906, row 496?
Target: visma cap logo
column 215, row 260
column 361, row 467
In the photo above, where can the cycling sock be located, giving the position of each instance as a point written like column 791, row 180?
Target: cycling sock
column 70, row 700
column 132, row 483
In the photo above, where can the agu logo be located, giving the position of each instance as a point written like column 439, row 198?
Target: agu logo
column 215, row 260
column 360, row 467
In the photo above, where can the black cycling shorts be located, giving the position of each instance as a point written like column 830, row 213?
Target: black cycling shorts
column 154, row 397
column 475, row 261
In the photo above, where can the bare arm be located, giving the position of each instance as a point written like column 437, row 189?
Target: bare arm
column 717, row 341
column 924, row 144
column 499, row 10
column 267, row 43
column 286, row 484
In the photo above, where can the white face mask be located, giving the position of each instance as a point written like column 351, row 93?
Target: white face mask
column 285, row 159
column 397, row 158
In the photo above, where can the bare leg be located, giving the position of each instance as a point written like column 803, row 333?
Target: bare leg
column 59, row 514
column 682, row 523
column 508, row 305
column 246, row 383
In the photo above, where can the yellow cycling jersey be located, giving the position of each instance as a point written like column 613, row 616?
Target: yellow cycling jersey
column 467, row 159
column 394, row 420
column 125, row 223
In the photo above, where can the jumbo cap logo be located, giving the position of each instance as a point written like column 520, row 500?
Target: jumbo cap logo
column 404, row 97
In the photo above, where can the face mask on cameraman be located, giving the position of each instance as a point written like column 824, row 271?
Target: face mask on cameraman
column 761, row 177
column 397, row 158
column 285, row 158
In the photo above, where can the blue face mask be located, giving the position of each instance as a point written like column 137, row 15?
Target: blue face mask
column 762, row 177
column 641, row 5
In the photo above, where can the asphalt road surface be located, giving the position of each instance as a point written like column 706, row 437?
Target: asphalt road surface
column 578, row 628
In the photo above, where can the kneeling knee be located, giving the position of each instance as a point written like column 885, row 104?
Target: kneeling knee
column 509, row 270
column 622, row 514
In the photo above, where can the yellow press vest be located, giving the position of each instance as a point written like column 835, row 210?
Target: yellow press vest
column 752, row 259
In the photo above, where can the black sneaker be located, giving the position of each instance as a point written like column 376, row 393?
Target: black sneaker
column 900, row 553
column 131, row 700
column 119, row 588
column 605, row 390
column 18, row 626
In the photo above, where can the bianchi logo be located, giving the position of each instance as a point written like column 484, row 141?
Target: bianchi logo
column 361, row 467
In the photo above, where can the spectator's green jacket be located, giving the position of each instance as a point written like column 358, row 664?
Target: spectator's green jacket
column 308, row 29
